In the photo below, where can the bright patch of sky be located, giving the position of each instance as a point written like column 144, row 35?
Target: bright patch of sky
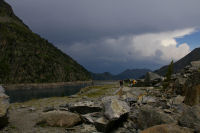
column 192, row 39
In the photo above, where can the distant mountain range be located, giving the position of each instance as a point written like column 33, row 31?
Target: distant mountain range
column 25, row 57
column 127, row 74
column 138, row 73
column 180, row 64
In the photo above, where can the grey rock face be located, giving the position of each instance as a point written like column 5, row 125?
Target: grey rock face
column 4, row 105
column 191, row 118
column 149, row 116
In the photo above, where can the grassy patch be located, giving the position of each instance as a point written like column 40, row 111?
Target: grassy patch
column 97, row 91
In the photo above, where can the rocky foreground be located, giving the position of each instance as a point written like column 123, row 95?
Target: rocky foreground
column 160, row 109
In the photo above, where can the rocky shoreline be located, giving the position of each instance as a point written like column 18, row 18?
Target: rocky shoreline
column 155, row 109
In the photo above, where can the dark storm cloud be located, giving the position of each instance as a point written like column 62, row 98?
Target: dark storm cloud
column 112, row 35
column 75, row 20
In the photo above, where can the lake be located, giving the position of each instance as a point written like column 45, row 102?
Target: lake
column 25, row 92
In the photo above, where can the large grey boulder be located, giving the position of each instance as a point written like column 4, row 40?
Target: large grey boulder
column 191, row 118
column 85, row 107
column 59, row 119
column 4, row 105
column 114, row 109
column 115, row 112
column 149, row 116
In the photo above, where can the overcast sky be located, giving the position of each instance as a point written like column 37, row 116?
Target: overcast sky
column 113, row 35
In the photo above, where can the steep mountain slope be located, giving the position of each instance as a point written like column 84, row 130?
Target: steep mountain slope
column 25, row 57
column 192, row 56
column 127, row 74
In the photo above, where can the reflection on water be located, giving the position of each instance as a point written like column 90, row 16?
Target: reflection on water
column 25, row 94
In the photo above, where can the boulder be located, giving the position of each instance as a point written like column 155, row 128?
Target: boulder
column 59, row 119
column 191, row 118
column 167, row 128
column 115, row 109
column 115, row 113
column 4, row 105
column 85, row 107
column 149, row 116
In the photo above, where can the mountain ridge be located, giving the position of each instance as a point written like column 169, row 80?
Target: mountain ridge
column 194, row 55
column 28, row 58
column 126, row 74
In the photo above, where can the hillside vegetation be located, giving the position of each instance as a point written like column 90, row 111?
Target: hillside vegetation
column 25, row 57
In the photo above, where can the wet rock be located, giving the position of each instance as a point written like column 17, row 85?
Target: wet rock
column 191, row 118
column 59, row 119
column 149, row 116
column 114, row 109
column 167, row 128
column 4, row 105
column 85, row 107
